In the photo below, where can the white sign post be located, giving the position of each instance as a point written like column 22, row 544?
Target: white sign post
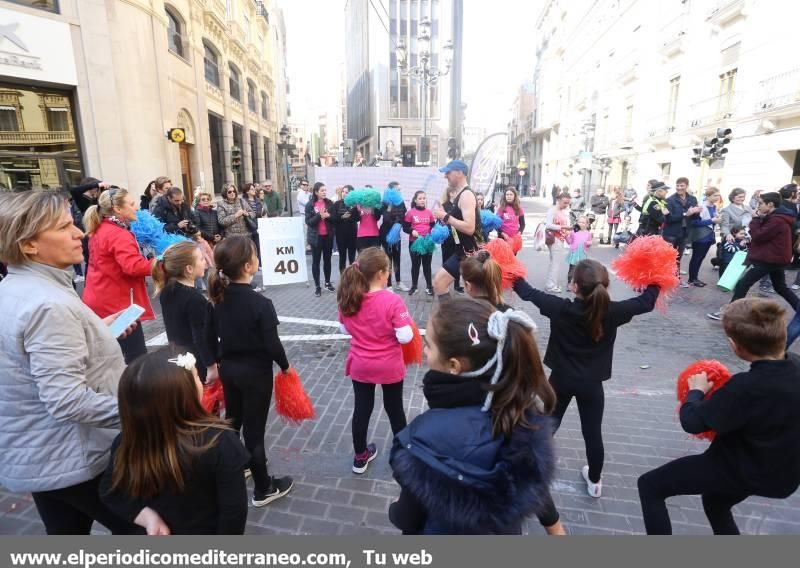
column 283, row 250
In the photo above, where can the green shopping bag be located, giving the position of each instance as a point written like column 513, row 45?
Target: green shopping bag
column 734, row 271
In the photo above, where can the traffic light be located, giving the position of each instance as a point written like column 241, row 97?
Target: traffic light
column 424, row 149
column 452, row 148
column 721, row 141
column 698, row 153
column 236, row 158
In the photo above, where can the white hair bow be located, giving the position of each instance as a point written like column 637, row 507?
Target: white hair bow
column 186, row 361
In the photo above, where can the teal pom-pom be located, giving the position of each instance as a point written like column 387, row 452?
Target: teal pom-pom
column 423, row 246
column 440, row 233
column 392, row 197
column 489, row 221
column 366, row 198
column 393, row 236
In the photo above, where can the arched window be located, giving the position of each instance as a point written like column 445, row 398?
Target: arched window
column 264, row 106
column 234, row 83
column 211, row 62
column 174, row 32
column 251, row 96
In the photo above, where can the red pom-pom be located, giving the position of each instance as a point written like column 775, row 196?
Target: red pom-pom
column 516, row 243
column 291, row 400
column 649, row 260
column 510, row 265
column 213, row 400
column 717, row 373
column 412, row 352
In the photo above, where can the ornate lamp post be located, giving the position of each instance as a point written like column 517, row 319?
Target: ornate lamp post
column 287, row 146
column 424, row 73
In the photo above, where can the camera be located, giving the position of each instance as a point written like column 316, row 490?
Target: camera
column 191, row 229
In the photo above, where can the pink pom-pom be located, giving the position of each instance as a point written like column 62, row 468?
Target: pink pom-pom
column 717, row 373
column 291, row 400
column 646, row 261
column 412, row 351
column 510, row 265
column 213, row 400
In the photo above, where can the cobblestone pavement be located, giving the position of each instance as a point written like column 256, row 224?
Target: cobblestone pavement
column 641, row 430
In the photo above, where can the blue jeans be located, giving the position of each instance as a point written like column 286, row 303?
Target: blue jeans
column 793, row 331
column 699, row 252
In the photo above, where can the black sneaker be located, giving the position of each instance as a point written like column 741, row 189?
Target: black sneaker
column 329, row 287
column 279, row 487
column 318, row 292
column 697, row 283
column 459, row 289
column 429, row 291
column 361, row 463
column 412, row 291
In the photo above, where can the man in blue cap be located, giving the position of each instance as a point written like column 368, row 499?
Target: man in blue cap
column 462, row 217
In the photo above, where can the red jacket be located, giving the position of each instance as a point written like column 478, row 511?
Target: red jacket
column 771, row 239
column 116, row 266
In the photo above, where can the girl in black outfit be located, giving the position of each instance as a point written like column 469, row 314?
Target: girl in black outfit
column 320, row 235
column 346, row 220
column 483, row 279
column 580, row 350
column 390, row 215
column 247, row 327
column 184, row 308
column 147, row 196
column 174, row 468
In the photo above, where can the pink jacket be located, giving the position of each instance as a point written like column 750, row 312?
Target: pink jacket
column 579, row 238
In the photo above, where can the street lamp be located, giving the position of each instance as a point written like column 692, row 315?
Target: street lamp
column 286, row 146
column 424, row 73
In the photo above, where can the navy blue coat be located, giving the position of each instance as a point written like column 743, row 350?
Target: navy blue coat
column 674, row 221
column 467, row 481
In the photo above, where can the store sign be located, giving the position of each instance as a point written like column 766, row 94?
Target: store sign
column 36, row 48
column 283, row 250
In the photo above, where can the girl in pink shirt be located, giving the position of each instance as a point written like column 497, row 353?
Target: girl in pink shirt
column 367, row 235
column 512, row 215
column 378, row 321
column 418, row 222
column 579, row 241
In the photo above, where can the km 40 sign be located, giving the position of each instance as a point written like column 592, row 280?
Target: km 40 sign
column 283, row 250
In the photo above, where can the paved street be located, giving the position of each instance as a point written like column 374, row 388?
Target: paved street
column 640, row 428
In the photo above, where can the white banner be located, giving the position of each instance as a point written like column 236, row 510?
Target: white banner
column 283, row 250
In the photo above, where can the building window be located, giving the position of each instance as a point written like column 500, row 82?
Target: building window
column 727, row 91
column 251, row 96
column 8, row 119
column 254, row 156
column 229, row 9
column 267, row 160
column 666, row 169
column 405, row 96
column 211, row 64
column 672, row 111
column 264, row 106
column 233, row 82
column 58, row 119
column 174, row 33
column 217, row 150
column 247, row 34
column 629, row 122
column 49, row 5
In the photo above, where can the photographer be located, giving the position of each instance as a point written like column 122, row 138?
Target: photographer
column 175, row 213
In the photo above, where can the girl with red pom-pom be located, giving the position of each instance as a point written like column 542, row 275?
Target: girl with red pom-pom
column 483, row 279
column 379, row 323
column 580, row 350
column 756, row 450
column 512, row 215
column 556, row 228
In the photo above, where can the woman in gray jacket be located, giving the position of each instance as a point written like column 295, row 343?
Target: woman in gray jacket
column 737, row 213
column 231, row 211
column 58, row 373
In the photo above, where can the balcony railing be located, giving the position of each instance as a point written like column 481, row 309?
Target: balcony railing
column 672, row 35
column 779, row 91
column 261, row 10
column 13, row 137
column 662, row 125
column 725, row 10
column 715, row 109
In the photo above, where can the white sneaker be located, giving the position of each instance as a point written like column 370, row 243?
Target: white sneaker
column 78, row 279
column 555, row 290
column 593, row 489
column 794, row 286
column 399, row 286
column 684, row 273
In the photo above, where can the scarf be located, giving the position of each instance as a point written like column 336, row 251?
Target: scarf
column 204, row 207
column 443, row 390
column 118, row 222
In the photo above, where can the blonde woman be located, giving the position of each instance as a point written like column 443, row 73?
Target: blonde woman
column 117, row 269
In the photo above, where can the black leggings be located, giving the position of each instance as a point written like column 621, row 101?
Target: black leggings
column 367, row 242
column 73, row 510
column 679, row 244
column 134, row 345
column 425, row 261
column 362, row 410
column 690, row 475
column 756, row 272
column 346, row 242
column 248, row 393
column 393, row 252
column 322, row 250
column 591, row 400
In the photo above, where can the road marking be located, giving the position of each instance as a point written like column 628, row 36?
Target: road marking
column 326, row 323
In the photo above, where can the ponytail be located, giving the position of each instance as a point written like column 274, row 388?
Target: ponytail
column 92, row 219
column 172, row 264
column 355, row 280
column 591, row 279
column 230, row 257
column 485, row 276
